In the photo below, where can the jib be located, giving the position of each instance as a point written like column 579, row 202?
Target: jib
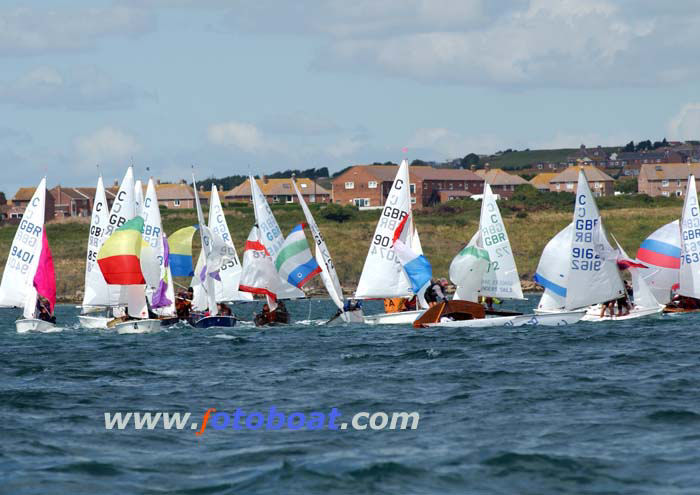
column 28, row 226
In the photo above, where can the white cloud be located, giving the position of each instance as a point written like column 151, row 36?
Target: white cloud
column 238, row 135
column 346, row 146
column 438, row 142
column 685, row 125
column 84, row 88
column 106, row 146
column 37, row 30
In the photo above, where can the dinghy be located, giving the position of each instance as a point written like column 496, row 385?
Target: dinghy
column 260, row 273
column 328, row 275
column 29, row 272
column 102, row 303
column 486, row 268
column 383, row 276
column 119, row 259
column 578, row 268
column 661, row 253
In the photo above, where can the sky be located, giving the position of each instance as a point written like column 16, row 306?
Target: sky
column 232, row 87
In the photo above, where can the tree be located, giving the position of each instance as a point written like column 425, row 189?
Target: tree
column 338, row 213
column 626, row 185
column 629, row 147
column 469, row 160
column 644, row 145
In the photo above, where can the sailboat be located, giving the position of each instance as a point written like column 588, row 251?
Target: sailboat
column 119, row 259
column 155, row 264
column 486, row 268
column 96, row 296
column 578, row 267
column 29, row 271
column 323, row 257
column 264, row 243
column 383, row 275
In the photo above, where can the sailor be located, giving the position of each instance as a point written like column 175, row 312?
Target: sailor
column 436, row 292
column 183, row 303
column 43, row 310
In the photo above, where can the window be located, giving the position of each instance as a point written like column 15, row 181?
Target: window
column 569, row 185
column 372, row 184
column 176, row 202
column 598, row 185
column 286, row 186
column 303, row 185
column 312, row 198
column 451, row 185
column 679, row 193
column 558, row 187
column 349, row 185
column 275, row 199
column 664, row 193
column 413, row 189
column 678, row 183
column 289, row 199
column 664, row 183
column 413, row 200
column 425, row 186
column 360, row 202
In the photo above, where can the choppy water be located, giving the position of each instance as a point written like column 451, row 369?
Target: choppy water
column 592, row 408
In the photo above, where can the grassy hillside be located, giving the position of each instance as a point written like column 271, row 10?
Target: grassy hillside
column 522, row 159
column 443, row 232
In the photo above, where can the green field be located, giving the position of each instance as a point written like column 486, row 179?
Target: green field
column 523, row 159
column 443, row 231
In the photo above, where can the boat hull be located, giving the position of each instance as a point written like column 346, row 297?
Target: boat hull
column 593, row 314
column 214, row 321
column 399, row 318
column 168, row 321
column 137, row 326
column 33, row 325
column 534, row 320
column 99, row 322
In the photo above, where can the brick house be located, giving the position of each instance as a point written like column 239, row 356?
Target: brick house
column 369, row 185
column 21, row 199
column 665, row 179
column 501, row 182
column 77, row 201
column 174, row 195
column 600, row 183
column 281, row 191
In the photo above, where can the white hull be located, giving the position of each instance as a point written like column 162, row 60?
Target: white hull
column 400, row 318
column 93, row 321
column 535, row 320
column 356, row 316
column 593, row 314
column 34, row 325
column 138, row 326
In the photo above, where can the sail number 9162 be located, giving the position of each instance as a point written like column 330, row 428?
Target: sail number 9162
column 585, row 259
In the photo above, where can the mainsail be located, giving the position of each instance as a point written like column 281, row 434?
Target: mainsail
column 592, row 278
column 382, row 275
column 690, row 243
column 323, row 255
column 96, row 290
column 122, row 211
column 208, row 265
column 17, row 286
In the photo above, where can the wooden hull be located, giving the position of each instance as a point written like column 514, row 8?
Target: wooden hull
column 34, row 325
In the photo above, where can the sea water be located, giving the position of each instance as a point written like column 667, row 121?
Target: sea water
column 589, row 408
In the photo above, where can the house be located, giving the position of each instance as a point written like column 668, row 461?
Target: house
column 501, row 182
column 446, row 196
column 541, row 181
column 639, row 158
column 369, row 185
column 600, row 183
column 78, row 201
column 175, row 195
column 22, row 198
column 665, row 179
column 281, row 191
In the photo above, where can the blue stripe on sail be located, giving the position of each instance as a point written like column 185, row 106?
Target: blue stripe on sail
column 298, row 276
column 181, row 265
column 661, row 247
column 419, row 272
column 296, row 228
column 548, row 284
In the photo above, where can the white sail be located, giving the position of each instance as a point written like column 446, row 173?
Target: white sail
column 661, row 252
column 592, row 278
column 17, row 286
column 271, row 237
column 122, row 211
column 153, row 257
column 138, row 198
column 200, row 301
column 230, row 270
column 211, row 261
column 468, row 268
column 642, row 294
column 501, row 280
column 322, row 254
column 690, row 243
column 553, row 270
column 96, row 290
column 382, row 275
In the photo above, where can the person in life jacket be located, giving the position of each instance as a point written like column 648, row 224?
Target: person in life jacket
column 436, row 292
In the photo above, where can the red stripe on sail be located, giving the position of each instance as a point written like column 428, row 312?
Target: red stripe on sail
column 257, row 290
column 122, row 270
column 255, row 246
column 399, row 229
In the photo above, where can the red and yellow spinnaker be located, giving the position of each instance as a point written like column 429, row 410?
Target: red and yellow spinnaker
column 119, row 256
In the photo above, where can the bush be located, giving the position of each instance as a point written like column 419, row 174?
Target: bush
column 339, row 213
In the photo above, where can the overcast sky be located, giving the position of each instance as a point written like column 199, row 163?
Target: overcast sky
column 234, row 86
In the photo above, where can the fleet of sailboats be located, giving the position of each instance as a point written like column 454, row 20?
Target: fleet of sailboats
column 130, row 266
